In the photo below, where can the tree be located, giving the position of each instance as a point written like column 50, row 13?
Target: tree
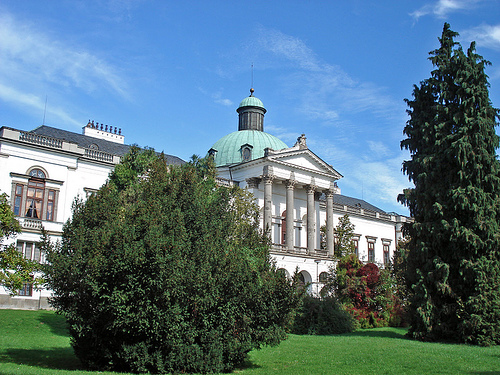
column 453, row 266
column 344, row 233
column 15, row 269
column 168, row 273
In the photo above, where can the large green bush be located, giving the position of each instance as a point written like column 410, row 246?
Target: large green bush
column 322, row 316
column 167, row 272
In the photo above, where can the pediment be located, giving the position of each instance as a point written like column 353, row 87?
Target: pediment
column 305, row 160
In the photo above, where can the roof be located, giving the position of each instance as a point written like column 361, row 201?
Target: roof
column 251, row 101
column 355, row 202
column 86, row 141
column 230, row 147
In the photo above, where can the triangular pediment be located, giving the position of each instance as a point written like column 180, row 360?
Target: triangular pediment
column 305, row 160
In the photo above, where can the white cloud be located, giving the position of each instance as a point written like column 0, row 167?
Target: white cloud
column 324, row 90
column 32, row 58
column 442, row 8
column 485, row 36
column 35, row 103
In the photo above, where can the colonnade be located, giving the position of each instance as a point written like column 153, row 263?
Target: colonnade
column 311, row 189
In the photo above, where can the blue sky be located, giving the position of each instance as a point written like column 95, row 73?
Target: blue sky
column 171, row 74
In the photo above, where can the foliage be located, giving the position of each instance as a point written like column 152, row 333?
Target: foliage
column 454, row 258
column 8, row 224
column 344, row 232
column 168, row 273
column 322, row 316
column 15, row 269
column 399, row 269
column 37, row 343
column 365, row 292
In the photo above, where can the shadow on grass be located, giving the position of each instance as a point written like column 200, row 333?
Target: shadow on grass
column 55, row 358
column 56, row 323
column 380, row 334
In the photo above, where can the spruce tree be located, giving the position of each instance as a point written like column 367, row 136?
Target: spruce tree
column 453, row 265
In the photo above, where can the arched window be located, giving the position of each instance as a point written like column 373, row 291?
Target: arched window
column 32, row 198
column 35, row 194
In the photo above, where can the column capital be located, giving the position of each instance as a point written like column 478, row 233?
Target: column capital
column 311, row 189
column 268, row 178
column 290, row 184
column 253, row 182
column 329, row 193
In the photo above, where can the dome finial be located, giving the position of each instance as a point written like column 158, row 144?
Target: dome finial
column 252, row 91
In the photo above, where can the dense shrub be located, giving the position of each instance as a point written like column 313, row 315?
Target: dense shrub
column 165, row 271
column 322, row 316
column 366, row 293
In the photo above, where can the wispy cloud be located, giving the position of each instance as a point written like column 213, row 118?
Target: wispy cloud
column 325, row 90
column 485, row 36
column 442, row 8
column 35, row 103
column 31, row 58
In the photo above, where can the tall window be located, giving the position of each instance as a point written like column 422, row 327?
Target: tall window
column 386, row 255
column 283, row 227
column 33, row 199
column 355, row 243
column 371, row 252
column 18, row 199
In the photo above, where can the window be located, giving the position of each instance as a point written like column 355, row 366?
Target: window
column 32, row 199
column 247, row 154
column 355, row 243
column 18, row 199
column 50, row 205
column 386, row 255
column 27, row 290
column 323, row 277
column 371, row 252
column 29, row 250
column 283, row 227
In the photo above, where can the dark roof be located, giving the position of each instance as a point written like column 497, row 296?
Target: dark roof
column 86, row 141
column 344, row 200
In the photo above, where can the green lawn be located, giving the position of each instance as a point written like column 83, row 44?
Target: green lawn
column 36, row 342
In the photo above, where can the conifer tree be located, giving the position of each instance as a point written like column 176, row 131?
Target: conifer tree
column 453, row 265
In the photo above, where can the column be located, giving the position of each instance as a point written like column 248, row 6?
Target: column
column 311, row 219
column 289, row 214
column 268, row 202
column 330, row 235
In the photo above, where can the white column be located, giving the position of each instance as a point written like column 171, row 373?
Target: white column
column 289, row 214
column 268, row 202
column 311, row 219
column 330, row 243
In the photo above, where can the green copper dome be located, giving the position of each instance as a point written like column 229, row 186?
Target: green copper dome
column 251, row 101
column 244, row 145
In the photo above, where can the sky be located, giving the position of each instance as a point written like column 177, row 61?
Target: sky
column 171, row 74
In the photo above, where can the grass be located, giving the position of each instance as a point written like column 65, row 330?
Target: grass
column 36, row 342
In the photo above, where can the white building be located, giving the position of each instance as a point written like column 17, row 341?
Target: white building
column 298, row 193
column 43, row 171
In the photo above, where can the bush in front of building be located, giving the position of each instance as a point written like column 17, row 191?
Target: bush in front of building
column 167, row 272
column 322, row 316
column 365, row 292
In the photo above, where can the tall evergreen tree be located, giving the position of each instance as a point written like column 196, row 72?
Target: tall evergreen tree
column 454, row 257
